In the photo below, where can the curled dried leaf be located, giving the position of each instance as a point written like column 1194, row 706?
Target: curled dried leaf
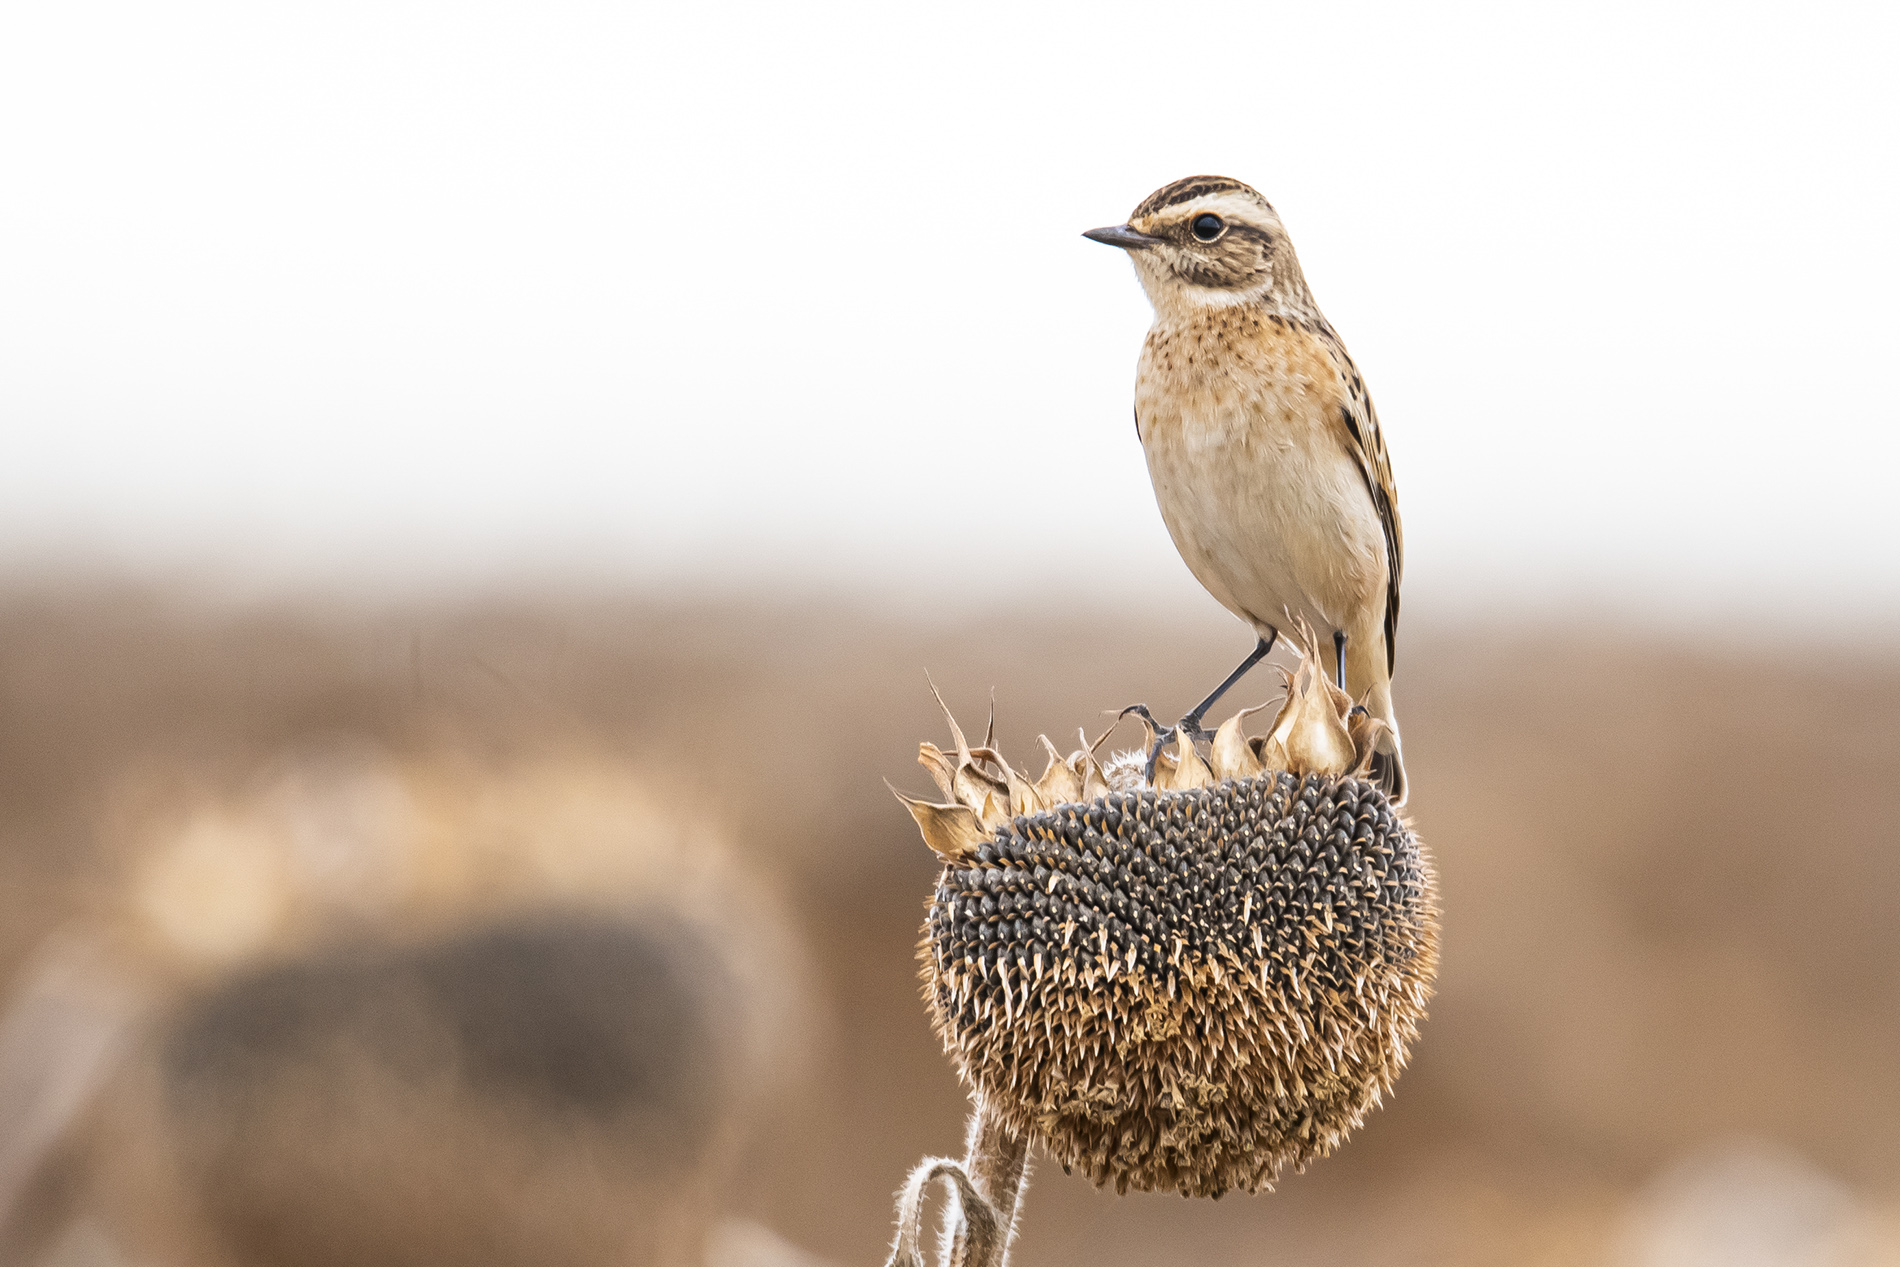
column 1094, row 781
column 956, row 731
column 994, row 757
column 1232, row 755
column 1314, row 654
column 1059, row 784
column 953, row 832
column 1316, row 731
column 970, row 784
column 995, row 811
column 1272, row 755
column 942, row 769
column 1019, row 792
column 1023, row 797
column 976, row 786
column 1309, row 736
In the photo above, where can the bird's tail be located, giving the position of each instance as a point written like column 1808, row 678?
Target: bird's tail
column 1388, row 765
column 1386, row 768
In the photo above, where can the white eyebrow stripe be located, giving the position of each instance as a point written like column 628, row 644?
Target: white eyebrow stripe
column 1228, row 204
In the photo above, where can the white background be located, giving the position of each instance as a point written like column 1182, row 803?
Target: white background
column 454, row 293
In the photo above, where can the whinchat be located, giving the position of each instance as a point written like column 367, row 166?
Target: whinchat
column 1262, row 442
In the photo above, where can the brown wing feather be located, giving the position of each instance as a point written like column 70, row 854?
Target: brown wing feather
column 1367, row 445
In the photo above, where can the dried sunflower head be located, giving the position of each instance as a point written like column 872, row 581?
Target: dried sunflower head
column 1192, row 985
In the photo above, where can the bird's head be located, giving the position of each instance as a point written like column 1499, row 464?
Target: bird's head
column 1210, row 242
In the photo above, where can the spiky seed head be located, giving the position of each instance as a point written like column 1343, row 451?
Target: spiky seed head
column 1191, row 989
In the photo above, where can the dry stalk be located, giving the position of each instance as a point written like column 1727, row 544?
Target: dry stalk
column 986, row 1188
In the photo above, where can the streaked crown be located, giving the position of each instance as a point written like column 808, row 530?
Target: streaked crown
column 1196, row 189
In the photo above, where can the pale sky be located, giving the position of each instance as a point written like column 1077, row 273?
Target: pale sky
column 436, row 294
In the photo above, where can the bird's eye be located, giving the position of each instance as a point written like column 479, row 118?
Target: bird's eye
column 1207, row 228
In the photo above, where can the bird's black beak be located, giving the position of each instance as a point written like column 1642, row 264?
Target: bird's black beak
column 1121, row 235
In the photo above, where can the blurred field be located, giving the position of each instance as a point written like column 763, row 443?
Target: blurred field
column 581, row 932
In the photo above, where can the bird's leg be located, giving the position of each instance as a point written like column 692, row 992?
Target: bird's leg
column 1164, row 735
column 1192, row 722
column 1339, row 656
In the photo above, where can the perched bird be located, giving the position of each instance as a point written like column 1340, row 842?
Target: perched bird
column 1262, row 443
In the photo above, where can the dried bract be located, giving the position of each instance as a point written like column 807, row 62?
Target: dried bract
column 1310, row 734
column 1232, row 756
column 1059, row 783
column 953, row 831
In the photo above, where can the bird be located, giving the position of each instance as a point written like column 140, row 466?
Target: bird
column 1265, row 452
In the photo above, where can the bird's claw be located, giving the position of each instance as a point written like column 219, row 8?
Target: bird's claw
column 1141, row 711
column 1165, row 735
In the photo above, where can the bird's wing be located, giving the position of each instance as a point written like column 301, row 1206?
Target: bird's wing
column 1367, row 446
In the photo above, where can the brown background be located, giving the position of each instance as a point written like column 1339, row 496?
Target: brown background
column 1666, row 1013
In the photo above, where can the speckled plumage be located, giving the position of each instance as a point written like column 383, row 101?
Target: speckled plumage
column 1265, row 452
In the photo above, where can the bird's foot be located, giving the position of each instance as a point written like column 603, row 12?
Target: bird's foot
column 1192, row 728
column 1162, row 734
column 1165, row 735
